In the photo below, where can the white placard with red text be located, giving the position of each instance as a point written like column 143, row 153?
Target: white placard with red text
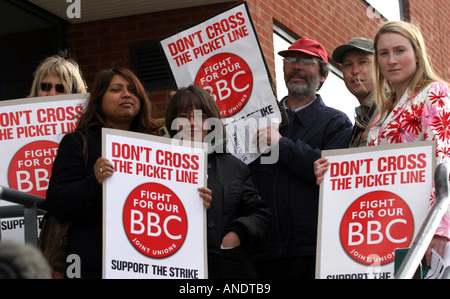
column 30, row 132
column 154, row 221
column 373, row 200
column 222, row 54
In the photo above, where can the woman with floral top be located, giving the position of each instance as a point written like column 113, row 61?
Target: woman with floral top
column 417, row 106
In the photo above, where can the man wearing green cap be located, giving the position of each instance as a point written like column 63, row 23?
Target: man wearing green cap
column 356, row 58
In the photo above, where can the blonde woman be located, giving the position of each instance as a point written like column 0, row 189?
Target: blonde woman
column 57, row 75
column 417, row 106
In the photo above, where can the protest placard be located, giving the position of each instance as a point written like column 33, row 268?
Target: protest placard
column 30, row 132
column 373, row 200
column 154, row 221
column 222, row 54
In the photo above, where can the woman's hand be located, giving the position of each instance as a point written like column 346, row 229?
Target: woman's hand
column 439, row 244
column 103, row 169
column 320, row 166
column 206, row 194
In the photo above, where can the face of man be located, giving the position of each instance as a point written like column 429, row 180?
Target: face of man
column 301, row 74
column 357, row 72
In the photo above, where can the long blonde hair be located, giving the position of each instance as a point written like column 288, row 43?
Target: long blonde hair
column 424, row 74
column 66, row 69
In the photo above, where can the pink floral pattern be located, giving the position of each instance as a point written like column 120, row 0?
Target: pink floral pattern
column 424, row 116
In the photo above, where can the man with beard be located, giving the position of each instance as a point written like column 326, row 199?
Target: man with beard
column 288, row 185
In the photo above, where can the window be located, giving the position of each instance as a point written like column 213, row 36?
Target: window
column 28, row 34
column 392, row 10
column 333, row 92
column 149, row 64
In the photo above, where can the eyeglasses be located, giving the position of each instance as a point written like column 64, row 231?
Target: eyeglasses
column 202, row 116
column 304, row 62
column 48, row 86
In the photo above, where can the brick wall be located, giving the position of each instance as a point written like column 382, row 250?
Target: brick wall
column 433, row 19
column 329, row 22
column 335, row 22
column 104, row 44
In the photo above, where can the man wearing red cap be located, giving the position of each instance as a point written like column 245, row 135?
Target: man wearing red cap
column 288, row 186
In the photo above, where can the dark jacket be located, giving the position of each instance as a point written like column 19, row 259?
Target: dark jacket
column 236, row 206
column 74, row 193
column 289, row 185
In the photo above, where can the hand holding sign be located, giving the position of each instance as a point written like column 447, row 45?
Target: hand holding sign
column 320, row 167
column 379, row 196
column 103, row 169
column 221, row 55
column 206, row 194
column 153, row 216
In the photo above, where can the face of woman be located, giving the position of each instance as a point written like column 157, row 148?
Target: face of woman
column 50, row 86
column 120, row 105
column 397, row 60
column 190, row 125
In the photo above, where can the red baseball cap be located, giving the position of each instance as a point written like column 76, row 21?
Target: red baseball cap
column 308, row 46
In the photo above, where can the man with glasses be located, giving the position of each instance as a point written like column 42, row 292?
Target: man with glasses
column 288, row 186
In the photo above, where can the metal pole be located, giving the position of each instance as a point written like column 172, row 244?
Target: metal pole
column 20, row 197
column 30, row 220
column 429, row 226
column 30, row 203
column 446, row 274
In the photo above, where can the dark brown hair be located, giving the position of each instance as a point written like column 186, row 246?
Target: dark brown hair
column 187, row 98
column 93, row 115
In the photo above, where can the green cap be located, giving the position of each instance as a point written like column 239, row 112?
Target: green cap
column 357, row 43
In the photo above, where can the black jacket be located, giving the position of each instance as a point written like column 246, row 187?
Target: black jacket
column 74, row 193
column 289, row 185
column 236, row 206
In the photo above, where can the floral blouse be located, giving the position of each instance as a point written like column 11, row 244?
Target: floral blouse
column 424, row 116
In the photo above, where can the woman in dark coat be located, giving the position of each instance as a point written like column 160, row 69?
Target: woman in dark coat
column 238, row 218
column 117, row 100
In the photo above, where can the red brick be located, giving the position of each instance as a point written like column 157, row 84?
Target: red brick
column 101, row 44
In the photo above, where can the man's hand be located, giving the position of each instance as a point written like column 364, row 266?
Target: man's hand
column 267, row 136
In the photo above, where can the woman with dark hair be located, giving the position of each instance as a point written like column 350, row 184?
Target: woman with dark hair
column 96, row 114
column 117, row 100
column 238, row 218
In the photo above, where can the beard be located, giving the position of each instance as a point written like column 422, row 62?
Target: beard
column 304, row 90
